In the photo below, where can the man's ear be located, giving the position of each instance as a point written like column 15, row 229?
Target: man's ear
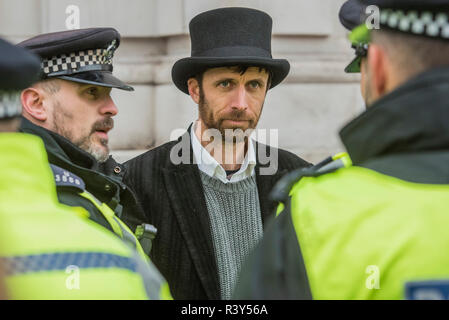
column 194, row 89
column 33, row 104
column 379, row 70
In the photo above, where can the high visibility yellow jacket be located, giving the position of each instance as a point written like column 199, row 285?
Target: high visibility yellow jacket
column 52, row 251
column 373, row 230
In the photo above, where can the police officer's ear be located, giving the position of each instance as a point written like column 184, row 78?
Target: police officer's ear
column 378, row 71
column 194, row 89
column 33, row 107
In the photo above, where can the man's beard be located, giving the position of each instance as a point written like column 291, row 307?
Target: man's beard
column 86, row 143
column 228, row 134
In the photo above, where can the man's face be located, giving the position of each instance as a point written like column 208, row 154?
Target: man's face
column 230, row 100
column 83, row 113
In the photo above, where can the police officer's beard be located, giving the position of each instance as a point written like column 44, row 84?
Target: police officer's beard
column 101, row 154
column 86, row 143
column 207, row 116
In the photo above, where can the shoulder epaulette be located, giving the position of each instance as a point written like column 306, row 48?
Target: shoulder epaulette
column 64, row 178
column 282, row 189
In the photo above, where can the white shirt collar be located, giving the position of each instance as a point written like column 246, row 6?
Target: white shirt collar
column 207, row 164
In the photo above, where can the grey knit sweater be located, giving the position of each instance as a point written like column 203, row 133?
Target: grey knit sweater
column 236, row 224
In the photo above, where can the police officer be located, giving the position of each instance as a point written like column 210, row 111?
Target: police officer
column 376, row 229
column 10, row 82
column 49, row 250
column 70, row 108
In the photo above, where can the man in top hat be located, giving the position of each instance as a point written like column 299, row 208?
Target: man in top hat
column 209, row 205
column 376, row 229
column 49, row 250
column 71, row 109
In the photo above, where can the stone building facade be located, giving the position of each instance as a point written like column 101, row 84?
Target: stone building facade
column 308, row 109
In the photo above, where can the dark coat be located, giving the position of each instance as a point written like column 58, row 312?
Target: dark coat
column 103, row 180
column 404, row 135
column 173, row 201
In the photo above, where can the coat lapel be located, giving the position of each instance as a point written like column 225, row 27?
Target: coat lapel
column 185, row 190
column 265, row 184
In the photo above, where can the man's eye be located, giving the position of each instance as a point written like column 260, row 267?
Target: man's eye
column 225, row 84
column 255, row 84
column 92, row 91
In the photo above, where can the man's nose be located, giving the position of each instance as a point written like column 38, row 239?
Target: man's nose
column 240, row 99
column 109, row 107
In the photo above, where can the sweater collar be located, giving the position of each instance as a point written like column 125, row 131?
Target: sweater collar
column 412, row 118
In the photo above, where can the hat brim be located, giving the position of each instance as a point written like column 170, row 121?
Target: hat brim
column 99, row 78
column 354, row 66
column 187, row 68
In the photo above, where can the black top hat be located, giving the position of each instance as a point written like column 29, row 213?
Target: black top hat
column 229, row 37
column 82, row 55
column 18, row 70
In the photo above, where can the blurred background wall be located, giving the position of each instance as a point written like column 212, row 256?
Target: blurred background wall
column 308, row 108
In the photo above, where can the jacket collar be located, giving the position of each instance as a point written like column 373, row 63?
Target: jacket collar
column 60, row 146
column 23, row 164
column 412, row 118
column 265, row 182
column 61, row 149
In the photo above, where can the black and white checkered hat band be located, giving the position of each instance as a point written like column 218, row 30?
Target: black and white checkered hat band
column 425, row 23
column 10, row 105
column 75, row 62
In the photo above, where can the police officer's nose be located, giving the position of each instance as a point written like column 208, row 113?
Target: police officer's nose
column 109, row 107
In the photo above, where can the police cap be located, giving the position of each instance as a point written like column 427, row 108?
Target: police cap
column 426, row 18
column 82, row 55
column 18, row 70
column 352, row 14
